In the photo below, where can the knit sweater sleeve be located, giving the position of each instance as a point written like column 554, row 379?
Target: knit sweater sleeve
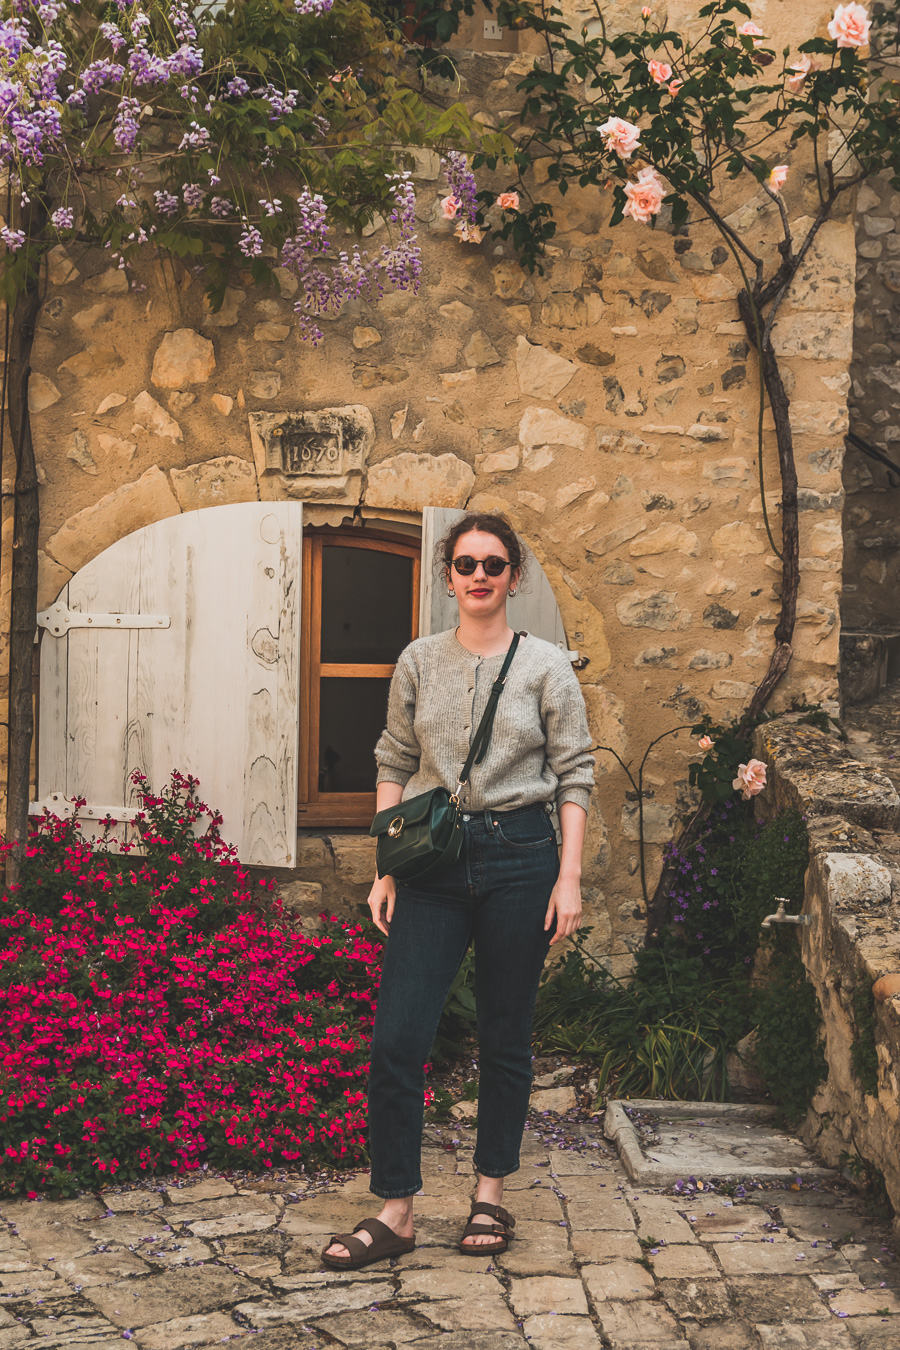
column 397, row 752
column 568, row 738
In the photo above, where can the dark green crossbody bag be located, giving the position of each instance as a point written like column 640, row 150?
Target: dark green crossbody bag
column 422, row 836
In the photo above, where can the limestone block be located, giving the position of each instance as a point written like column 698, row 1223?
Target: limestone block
column 42, row 393
column 819, row 419
column 572, row 491
column 735, row 470
column 79, row 452
column 117, row 445
column 499, row 461
column 826, row 278
column 51, row 579
column 659, row 820
column 215, row 483
column 511, row 282
column 582, row 309
column 60, row 268
column 557, row 1100
column 269, row 331
column 479, row 351
column 533, row 500
column 825, row 538
column 606, row 717
column 717, row 616
column 668, row 538
column 701, row 431
column 704, row 659
column 739, row 539
column 227, row 316
column 611, row 539
column 154, row 419
column 657, row 656
column 112, row 282
column 122, row 511
column 818, row 336
column 91, row 317
column 855, row 879
column 365, row 337
column 222, row 404
column 734, row 691
column 542, row 374
column 93, row 360
column 537, row 457
column 544, row 426
column 583, row 621
column 652, row 609
column 111, row 401
column 354, row 858
column 410, row 482
column 457, row 311
column 451, row 378
column 264, row 384
column 183, row 357
column 712, row 287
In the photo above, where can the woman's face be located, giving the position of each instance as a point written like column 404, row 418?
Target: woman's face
column 480, row 595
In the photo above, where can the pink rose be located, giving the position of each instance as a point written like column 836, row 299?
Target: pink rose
column 801, row 68
column 659, row 71
column 751, row 29
column 620, row 136
column 449, row 207
column 675, row 86
column 508, row 201
column 777, row 177
column 645, row 197
column 751, row 779
column 645, row 12
column 850, row 26
column 705, row 743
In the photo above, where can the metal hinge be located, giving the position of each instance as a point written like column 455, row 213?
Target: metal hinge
column 58, row 619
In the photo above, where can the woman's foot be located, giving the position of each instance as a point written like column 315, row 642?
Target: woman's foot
column 490, row 1192
column 397, row 1214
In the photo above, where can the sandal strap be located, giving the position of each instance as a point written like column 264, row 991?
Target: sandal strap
column 485, row 1230
column 494, row 1211
column 378, row 1231
column 355, row 1246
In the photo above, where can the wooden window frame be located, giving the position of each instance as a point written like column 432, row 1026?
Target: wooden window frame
column 336, row 809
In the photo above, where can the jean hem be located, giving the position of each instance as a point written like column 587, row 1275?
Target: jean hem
column 395, row 1195
column 495, row 1176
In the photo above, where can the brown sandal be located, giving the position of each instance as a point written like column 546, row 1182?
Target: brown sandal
column 385, row 1242
column 501, row 1230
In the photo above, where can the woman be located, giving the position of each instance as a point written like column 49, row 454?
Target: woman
column 512, row 892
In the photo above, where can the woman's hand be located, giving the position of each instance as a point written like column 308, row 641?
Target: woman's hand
column 382, row 896
column 565, row 904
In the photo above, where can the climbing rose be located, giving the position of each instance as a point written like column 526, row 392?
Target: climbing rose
column 850, row 26
column 751, row 779
column 645, row 12
column 659, row 71
column 777, row 177
column 675, row 86
column 645, row 197
column 751, row 29
column 508, row 201
column 705, row 743
column 620, row 136
column 449, row 207
column 801, row 69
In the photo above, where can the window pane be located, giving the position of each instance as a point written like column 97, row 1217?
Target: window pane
column 351, row 718
column 366, row 605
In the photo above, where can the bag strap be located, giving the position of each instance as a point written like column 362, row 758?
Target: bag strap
column 482, row 737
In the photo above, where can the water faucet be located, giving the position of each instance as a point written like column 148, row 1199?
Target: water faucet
column 780, row 917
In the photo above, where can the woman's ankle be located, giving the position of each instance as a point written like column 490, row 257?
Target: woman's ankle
column 489, row 1190
column 398, row 1214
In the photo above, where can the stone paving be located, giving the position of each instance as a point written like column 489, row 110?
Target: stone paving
column 596, row 1263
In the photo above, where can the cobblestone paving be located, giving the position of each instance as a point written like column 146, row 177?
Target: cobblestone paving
column 596, row 1263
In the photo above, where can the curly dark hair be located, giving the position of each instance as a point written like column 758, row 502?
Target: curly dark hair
column 488, row 522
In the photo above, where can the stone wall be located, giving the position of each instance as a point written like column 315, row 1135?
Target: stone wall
column 871, row 594
column 608, row 405
column 851, row 949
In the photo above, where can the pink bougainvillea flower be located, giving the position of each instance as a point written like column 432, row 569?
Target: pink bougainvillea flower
column 645, row 196
column 751, row 779
column 850, row 26
column 659, row 71
column 675, row 86
column 508, row 201
column 469, row 234
column 620, row 136
column 449, row 207
column 705, row 743
column 801, row 68
column 777, row 177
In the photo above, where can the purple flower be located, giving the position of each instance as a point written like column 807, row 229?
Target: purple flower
column 251, row 241
column 13, row 239
column 192, row 194
column 221, row 206
column 63, row 218
column 166, row 204
column 313, row 6
column 126, row 126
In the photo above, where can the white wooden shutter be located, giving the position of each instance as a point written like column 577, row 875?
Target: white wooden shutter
column 182, row 652
column 533, row 609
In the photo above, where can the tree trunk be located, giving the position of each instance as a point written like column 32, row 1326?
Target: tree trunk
column 23, row 593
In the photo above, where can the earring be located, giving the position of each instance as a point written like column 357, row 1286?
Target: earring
column 451, row 593
column 512, row 590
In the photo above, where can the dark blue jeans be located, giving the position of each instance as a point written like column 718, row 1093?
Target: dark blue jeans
column 495, row 896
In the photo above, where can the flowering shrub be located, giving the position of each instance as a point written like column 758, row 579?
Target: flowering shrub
column 160, row 1012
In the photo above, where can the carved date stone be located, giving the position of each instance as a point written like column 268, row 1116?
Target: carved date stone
column 312, row 456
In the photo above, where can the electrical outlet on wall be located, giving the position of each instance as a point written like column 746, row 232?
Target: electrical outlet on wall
column 492, row 31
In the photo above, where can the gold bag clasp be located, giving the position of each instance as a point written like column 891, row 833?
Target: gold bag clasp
column 396, row 827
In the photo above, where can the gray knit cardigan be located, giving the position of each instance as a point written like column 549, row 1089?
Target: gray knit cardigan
column 540, row 743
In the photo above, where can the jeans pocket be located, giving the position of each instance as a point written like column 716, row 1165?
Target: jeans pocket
column 533, row 830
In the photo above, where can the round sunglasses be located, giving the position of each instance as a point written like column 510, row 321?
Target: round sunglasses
column 493, row 566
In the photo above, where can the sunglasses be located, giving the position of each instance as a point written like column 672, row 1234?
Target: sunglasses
column 493, row 567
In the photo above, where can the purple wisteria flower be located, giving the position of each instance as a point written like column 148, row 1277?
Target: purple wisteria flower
column 462, row 185
column 251, row 241
column 192, row 194
column 126, row 126
column 165, row 203
column 313, row 6
column 63, row 218
column 221, row 207
column 13, row 239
